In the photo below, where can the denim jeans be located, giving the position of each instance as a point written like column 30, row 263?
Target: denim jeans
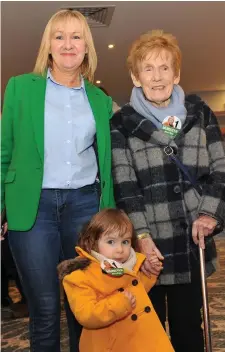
column 37, row 252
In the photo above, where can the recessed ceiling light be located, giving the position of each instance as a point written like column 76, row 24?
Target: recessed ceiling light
column 98, row 82
column 111, row 46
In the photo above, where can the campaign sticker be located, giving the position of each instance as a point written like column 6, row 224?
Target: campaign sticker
column 171, row 125
column 172, row 121
column 111, row 268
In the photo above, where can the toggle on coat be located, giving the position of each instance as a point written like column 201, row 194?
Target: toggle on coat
column 109, row 323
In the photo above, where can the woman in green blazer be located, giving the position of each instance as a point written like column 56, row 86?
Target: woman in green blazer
column 53, row 178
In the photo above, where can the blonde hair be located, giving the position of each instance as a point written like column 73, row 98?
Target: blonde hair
column 44, row 60
column 156, row 41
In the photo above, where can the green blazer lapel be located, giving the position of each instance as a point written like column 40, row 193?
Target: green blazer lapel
column 95, row 104
column 91, row 94
column 96, row 107
column 37, row 107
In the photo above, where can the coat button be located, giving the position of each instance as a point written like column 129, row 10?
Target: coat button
column 121, row 289
column 183, row 225
column 134, row 317
column 147, row 309
column 176, row 189
column 135, row 282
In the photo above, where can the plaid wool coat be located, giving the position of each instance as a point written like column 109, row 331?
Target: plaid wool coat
column 154, row 192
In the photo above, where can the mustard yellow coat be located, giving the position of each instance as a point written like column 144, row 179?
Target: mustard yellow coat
column 109, row 323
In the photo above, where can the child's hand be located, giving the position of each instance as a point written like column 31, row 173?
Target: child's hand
column 155, row 262
column 131, row 298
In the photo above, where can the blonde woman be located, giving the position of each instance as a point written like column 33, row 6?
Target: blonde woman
column 54, row 177
column 170, row 213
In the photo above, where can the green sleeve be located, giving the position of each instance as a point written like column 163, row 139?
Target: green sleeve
column 7, row 134
column 110, row 107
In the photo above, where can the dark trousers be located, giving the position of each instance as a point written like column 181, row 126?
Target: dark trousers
column 37, row 252
column 183, row 306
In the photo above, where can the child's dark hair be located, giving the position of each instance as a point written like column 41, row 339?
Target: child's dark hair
column 106, row 222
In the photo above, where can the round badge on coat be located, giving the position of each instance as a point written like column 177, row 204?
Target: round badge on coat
column 171, row 125
column 172, row 121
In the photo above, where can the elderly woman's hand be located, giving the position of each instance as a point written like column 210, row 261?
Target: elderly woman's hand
column 152, row 264
column 203, row 226
column 4, row 229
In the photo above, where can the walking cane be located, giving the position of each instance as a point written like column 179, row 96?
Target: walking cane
column 207, row 331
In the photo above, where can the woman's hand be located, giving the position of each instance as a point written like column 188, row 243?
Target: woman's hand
column 152, row 264
column 203, row 226
column 4, row 229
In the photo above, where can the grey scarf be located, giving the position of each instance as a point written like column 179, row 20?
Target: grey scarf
column 157, row 115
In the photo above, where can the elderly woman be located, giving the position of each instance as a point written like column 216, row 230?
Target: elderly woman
column 53, row 168
column 161, row 141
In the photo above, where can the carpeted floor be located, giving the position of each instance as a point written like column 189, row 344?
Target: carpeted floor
column 216, row 285
column 15, row 332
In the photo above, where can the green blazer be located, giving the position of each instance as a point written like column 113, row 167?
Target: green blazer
column 22, row 147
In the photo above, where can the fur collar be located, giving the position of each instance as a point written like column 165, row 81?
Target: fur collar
column 70, row 265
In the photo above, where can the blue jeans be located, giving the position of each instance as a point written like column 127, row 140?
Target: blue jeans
column 37, row 252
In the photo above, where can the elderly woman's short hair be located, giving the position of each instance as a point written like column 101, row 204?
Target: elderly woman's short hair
column 44, row 59
column 154, row 41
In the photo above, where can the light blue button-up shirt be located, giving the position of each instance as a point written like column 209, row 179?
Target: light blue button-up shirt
column 69, row 130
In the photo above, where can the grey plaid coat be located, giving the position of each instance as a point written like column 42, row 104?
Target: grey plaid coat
column 154, row 192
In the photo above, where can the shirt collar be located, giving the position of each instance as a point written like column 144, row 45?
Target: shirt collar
column 49, row 76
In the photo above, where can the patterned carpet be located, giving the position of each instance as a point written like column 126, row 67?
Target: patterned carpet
column 15, row 332
column 216, row 284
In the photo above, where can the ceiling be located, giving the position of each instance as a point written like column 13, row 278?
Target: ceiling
column 199, row 27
